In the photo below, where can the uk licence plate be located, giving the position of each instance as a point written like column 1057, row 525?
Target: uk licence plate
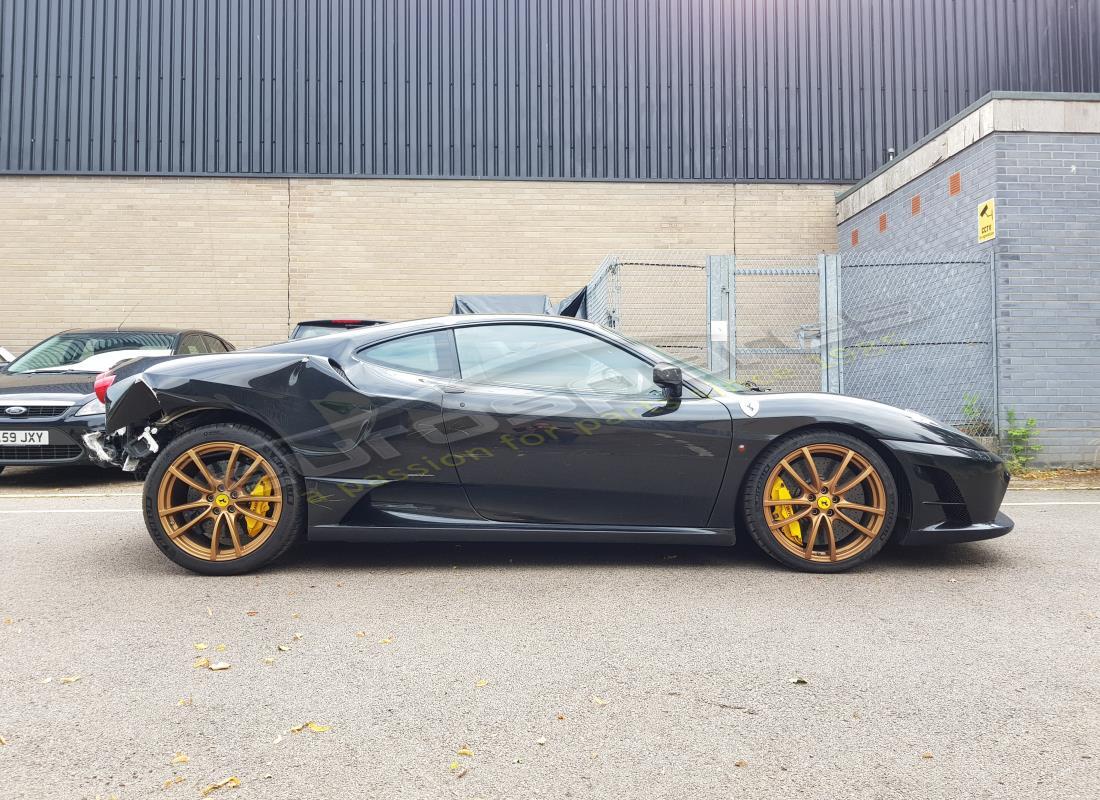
column 24, row 438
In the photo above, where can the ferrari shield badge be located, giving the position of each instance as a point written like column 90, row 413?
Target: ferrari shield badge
column 749, row 406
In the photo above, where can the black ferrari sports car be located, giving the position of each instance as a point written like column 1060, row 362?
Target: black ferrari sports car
column 527, row 428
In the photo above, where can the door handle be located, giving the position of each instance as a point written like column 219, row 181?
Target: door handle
column 453, row 389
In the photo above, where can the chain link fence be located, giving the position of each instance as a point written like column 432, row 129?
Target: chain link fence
column 915, row 330
column 918, row 332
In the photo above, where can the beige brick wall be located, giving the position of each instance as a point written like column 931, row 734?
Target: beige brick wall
column 218, row 253
column 78, row 252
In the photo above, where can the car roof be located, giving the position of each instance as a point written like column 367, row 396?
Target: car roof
column 141, row 329
column 340, row 340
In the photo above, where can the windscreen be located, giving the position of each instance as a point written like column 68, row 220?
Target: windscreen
column 91, row 352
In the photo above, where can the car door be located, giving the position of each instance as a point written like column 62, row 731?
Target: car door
column 551, row 424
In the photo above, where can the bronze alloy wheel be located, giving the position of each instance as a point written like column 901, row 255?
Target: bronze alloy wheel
column 824, row 503
column 219, row 501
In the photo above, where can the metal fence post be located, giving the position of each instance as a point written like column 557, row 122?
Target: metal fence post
column 729, row 270
column 832, row 360
column 720, row 311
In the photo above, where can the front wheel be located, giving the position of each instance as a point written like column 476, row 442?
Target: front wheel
column 821, row 501
column 224, row 499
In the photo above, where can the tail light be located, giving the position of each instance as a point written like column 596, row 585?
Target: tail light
column 103, row 382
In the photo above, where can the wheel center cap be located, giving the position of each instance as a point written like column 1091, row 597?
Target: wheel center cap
column 222, row 500
column 824, row 503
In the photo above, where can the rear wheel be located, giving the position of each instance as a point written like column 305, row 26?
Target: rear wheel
column 821, row 501
column 224, row 499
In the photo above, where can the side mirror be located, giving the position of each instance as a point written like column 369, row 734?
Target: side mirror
column 669, row 378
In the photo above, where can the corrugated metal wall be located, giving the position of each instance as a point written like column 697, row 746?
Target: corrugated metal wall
column 810, row 90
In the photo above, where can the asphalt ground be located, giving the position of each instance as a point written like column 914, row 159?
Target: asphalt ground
column 565, row 671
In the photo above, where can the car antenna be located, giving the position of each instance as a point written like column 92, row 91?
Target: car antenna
column 128, row 313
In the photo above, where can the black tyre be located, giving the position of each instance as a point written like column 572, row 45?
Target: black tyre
column 821, row 501
column 224, row 499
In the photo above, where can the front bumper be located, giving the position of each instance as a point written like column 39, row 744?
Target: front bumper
column 66, row 445
column 955, row 493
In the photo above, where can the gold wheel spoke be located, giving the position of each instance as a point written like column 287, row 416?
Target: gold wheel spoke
column 185, row 507
column 189, row 481
column 185, row 528
column 861, row 528
column 809, row 550
column 256, row 517
column 232, row 523
column 840, row 470
column 878, row 512
column 782, row 522
column 832, row 538
column 248, row 473
column 854, row 482
column 206, row 476
column 231, row 464
column 262, row 498
column 214, row 537
column 791, row 501
column 801, row 482
column 814, row 475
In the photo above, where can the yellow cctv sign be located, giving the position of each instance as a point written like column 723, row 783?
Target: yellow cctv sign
column 987, row 221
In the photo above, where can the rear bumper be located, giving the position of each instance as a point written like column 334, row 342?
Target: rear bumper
column 955, row 493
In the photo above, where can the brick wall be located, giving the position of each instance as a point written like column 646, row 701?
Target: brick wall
column 244, row 257
column 1047, row 252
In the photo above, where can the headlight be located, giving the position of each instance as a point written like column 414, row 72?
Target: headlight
column 91, row 408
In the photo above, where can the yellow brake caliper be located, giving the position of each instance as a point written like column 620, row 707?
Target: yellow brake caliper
column 263, row 489
column 781, row 492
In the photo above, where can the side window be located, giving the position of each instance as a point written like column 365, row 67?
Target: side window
column 548, row 357
column 214, row 344
column 422, row 353
column 193, row 345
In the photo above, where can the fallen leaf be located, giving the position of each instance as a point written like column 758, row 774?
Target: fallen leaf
column 221, row 666
column 70, row 679
column 561, row 716
column 386, row 641
column 926, row 755
column 799, row 681
column 184, row 701
column 465, row 751
column 295, row 615
column 201, row 663
column 168, row 784
column 201, row 645
column 740, row 763
column 599, row 701
column 482, row 683
column 3, row 741
column 312, row 726
column 228, row 783
column 269, row 661
column 251, row 613
column 462, row 772
column 361, row 634
column 282, row 647
column 181, row 758
column 453, row 766
column 297, row 637
column 8, row 620
column 209, row 611
column 220, row 648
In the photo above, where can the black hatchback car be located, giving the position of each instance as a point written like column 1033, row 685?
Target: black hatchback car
column 48, row 402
